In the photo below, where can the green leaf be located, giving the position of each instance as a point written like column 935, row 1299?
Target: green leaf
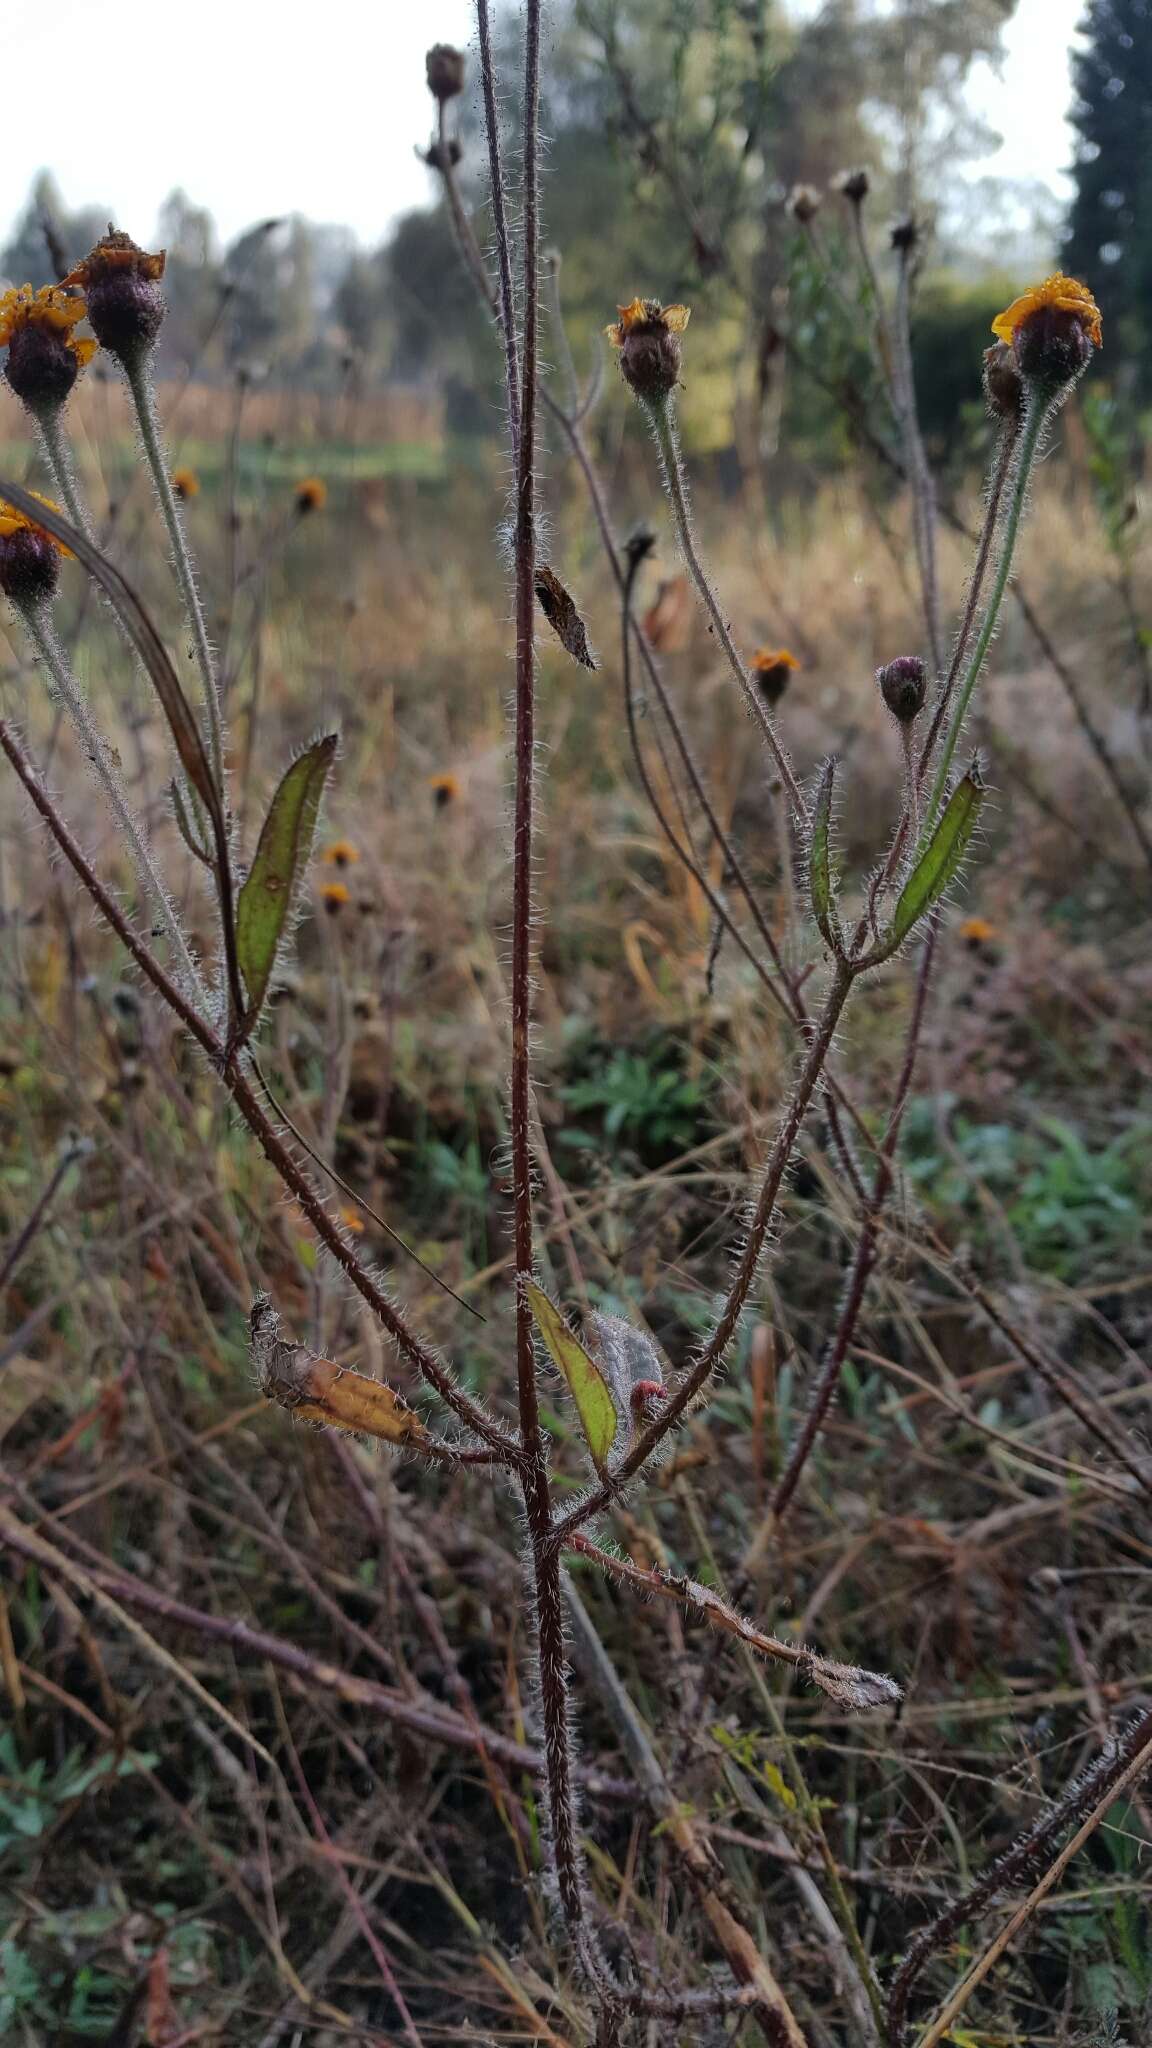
column 820, row 862
column 285, row 843
column 939, row 864
column 586, row 1383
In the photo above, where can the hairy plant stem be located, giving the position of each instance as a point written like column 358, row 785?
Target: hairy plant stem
column 662, row 421
column 59, row 460
column 551, row 1651
column 276, row 1151
column 1035, row 418
column 505, row 307
column 97, row 752
column 684, row 1393
column 139, row 379
column 1001, row 470
column 915, row 460
column 866, row 1246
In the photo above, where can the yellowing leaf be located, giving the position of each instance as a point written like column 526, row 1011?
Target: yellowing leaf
column 585, row 1381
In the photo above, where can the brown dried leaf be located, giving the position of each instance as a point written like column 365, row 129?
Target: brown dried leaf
column 318, row 1390
column 560, row 611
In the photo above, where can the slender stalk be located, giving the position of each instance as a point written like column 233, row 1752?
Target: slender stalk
column 865, row 1256
column 1035, row 418
column 1001, row 471
column 662, row 421
column 760, row 1222
column 59, row 460
column 506, row 310
column 295, row 1179
column 97, row 752
column 140, row 386
column 915, row 459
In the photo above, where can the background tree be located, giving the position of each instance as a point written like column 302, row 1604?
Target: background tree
column 1109, row 237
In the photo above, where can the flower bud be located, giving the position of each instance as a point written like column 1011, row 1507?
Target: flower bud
column 903, row 686
column 1003, row 384
column 445, row 69
column 647, row 335
column 442, row 156
column 125, row 303
column 904, row 235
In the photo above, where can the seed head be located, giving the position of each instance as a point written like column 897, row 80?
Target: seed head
column 125, row 304
column 29, row 556
column 854, row 185
column 1052, row 328
column 773, row 669
column 803, row 203
column 904, row 235
column 647, row 335
column 903, row 686
column 445, row 69
column 45, row 357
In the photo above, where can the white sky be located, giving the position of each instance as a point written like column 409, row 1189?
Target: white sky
column 262, row 107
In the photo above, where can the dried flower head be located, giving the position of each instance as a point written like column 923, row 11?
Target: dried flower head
column 29, row 555
column 352, row 1220
column 311, row 495
column 334, row 896
column 1003, row 384
column 903, row 686
column 45, row 356
column 647, row 335
column 976, row 931
column 445, row 70
column 854, row 184
column 1052, row 328
column 341, row 854
column 803, row 203
column 185, row 483
column 445, row 790
column 122, row 285
column 442, row 156
column 772, row 670
column 904, row 235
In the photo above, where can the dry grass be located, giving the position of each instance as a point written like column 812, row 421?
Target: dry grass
column 245, row 1821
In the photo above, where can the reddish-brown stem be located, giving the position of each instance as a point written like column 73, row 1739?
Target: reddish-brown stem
column 865, row 1256
column 505, row 307
column 251, row 1109
column 683, row 1395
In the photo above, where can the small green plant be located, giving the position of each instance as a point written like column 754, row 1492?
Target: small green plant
column 645, row 1102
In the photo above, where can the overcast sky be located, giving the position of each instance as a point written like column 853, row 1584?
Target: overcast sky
column 261, row 107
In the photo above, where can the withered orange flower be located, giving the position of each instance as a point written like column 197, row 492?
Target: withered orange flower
column 334, row 896
column 13, row 522
column 445, row 789
column 45, row 357
column 1059, row 294
column 185, row 483
column 647, row 313
column 125, row 303
column 976, row 931
column 117, row 251
column 341, row 854
column 773, row 668
column 311, row 494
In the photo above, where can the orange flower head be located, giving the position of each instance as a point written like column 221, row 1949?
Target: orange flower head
column 1053, row 328
column 125, row 302
column 45, row 357
column 185, row 483
column 311, row 495
column 341, row 854
column 647, row 336
column 29, row 555
column 335, row 896
column 352, row 1221
column 773, row 668
column 445, row 790
column 976, row 931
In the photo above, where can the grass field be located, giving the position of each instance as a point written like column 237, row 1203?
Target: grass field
column 242, row 1793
